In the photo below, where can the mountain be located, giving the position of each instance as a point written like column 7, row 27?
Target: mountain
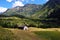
column 27, row 10
column 56, row 10
column 50, row 10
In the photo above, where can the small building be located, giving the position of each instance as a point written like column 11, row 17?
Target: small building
column 23, row 27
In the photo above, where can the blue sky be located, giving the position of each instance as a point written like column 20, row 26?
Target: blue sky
column 5, row 4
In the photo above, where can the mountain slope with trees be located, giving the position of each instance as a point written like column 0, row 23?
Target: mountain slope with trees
column 50, row 9
column 27, row 10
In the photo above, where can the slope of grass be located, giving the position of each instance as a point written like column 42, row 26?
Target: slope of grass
column 6, row 34
column 43, row 29
column 36, row 34
column 16, row 34
column 49, row 35
column 32, row 34
column 24, row 35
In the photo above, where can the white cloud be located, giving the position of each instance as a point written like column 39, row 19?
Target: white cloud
column 17, row 3
column 2, row 9
column 9, row 0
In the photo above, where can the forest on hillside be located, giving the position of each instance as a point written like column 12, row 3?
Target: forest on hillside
column 41, row 16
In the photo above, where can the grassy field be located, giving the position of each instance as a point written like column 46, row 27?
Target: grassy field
column 36, row 34
column 43, row 29
column 24, row 35
column 49, row 35
column 31, row 34
column 6, row 34
column 46, row 34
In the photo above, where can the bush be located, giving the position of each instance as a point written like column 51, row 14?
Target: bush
column 7, row 23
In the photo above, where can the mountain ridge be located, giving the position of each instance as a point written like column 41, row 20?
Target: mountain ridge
column 48, row 9
column 27, row 10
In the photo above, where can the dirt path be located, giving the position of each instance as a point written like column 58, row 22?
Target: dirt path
column 24, row 35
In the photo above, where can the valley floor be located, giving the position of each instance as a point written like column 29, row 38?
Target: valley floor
column 44, row 29
column 23, row 35
column 29, row 35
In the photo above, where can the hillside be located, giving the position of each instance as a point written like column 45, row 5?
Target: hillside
column 50, row 9
column 49, row 14
column 27, row 10
column 34, row 15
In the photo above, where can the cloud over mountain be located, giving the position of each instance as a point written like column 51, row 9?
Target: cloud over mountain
column 17, row 3
column 2, row 9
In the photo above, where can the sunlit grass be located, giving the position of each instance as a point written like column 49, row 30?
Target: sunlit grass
column 49, row 35
column 6, row 34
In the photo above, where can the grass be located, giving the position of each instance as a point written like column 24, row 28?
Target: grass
column 24, row 35
column 48, row 35
column 43, row 29
column 31, row 34
column 6, row 34
column 16, row 34
column 36, row 34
